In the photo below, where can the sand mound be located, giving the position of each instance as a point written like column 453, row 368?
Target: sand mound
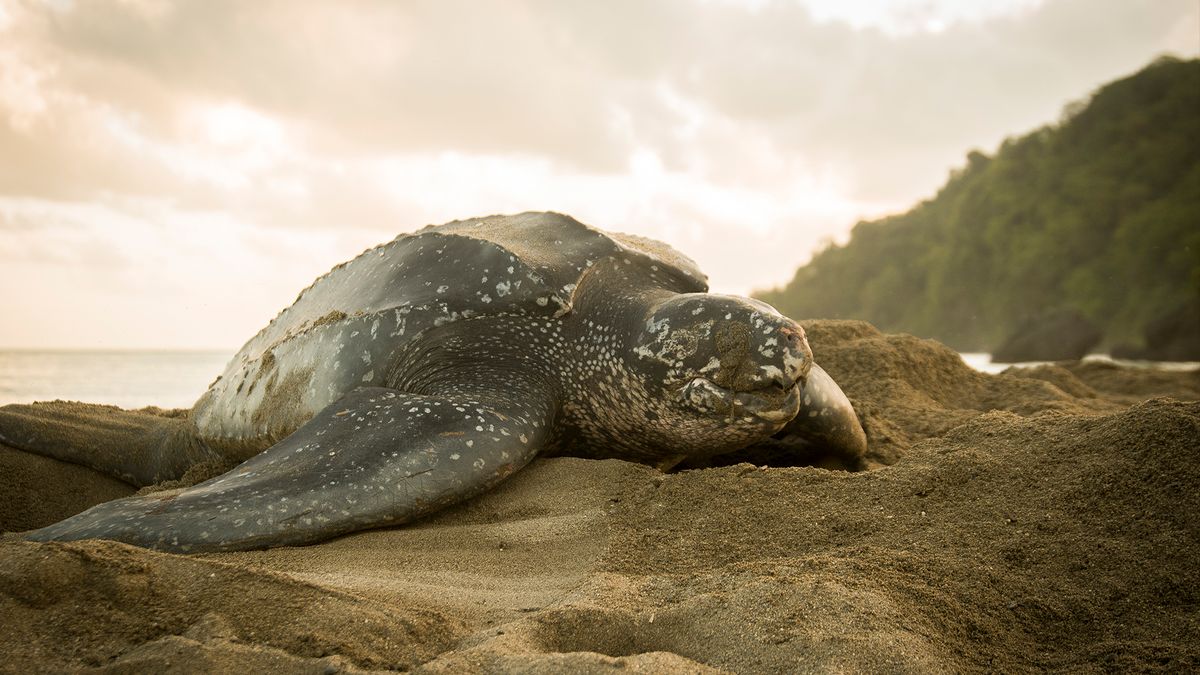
column 907, row 389
column 1041, row 518
column 104, row 604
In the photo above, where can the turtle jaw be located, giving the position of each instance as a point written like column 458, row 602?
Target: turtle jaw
column 774, row 403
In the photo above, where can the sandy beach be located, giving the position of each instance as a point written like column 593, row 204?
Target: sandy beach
column 1044, row 518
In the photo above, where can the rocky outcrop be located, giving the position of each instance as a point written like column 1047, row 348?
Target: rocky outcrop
column 1057, row 335
column 1173, row 336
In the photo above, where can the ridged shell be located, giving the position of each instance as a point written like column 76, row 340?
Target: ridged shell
column 343, row 329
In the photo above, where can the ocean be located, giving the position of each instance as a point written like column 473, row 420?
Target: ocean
column 129, row 379
column 174, row 379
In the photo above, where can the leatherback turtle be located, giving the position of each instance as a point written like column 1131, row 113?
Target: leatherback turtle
column 428, row 369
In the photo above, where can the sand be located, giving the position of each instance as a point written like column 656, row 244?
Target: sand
column 1040, row 518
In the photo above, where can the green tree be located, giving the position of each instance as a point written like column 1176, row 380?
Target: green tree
column 1099, row 212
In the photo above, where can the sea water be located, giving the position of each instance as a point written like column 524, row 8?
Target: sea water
column 982, row 362
column 128, row 379
column 175, row 379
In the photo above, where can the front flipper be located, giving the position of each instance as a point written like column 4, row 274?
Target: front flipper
column 375, row 457
column 826, row 428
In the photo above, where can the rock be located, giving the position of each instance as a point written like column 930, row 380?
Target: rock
column 1173, row 336
column 1056, row 335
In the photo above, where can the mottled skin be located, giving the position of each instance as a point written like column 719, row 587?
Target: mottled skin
column 428, row 369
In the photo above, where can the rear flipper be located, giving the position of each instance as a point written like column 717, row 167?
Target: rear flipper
column 136, row 447
column 375, row 457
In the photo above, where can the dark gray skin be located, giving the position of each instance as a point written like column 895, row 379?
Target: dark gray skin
column 428, row 369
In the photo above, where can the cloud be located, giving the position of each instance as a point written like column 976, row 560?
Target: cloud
column 415, row 76
column 581, row 85
column 898, row 111
column 144, row 276
column 745, row 132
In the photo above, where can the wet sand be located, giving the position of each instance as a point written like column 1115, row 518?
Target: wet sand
column 1040, row 518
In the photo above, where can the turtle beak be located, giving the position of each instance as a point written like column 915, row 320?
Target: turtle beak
column 826, row 421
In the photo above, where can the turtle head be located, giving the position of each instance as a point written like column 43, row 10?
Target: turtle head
column 732, row 367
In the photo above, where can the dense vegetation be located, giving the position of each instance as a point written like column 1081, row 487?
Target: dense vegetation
column 1099, row 213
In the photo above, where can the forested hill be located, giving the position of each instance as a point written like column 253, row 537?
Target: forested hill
column 1099, row 212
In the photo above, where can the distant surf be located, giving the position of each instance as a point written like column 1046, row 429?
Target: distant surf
column 982, row 361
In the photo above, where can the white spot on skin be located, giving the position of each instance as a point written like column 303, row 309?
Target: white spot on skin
column 645, row 352
column 792, row 363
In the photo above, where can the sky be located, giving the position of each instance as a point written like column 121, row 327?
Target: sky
column 173, row 173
